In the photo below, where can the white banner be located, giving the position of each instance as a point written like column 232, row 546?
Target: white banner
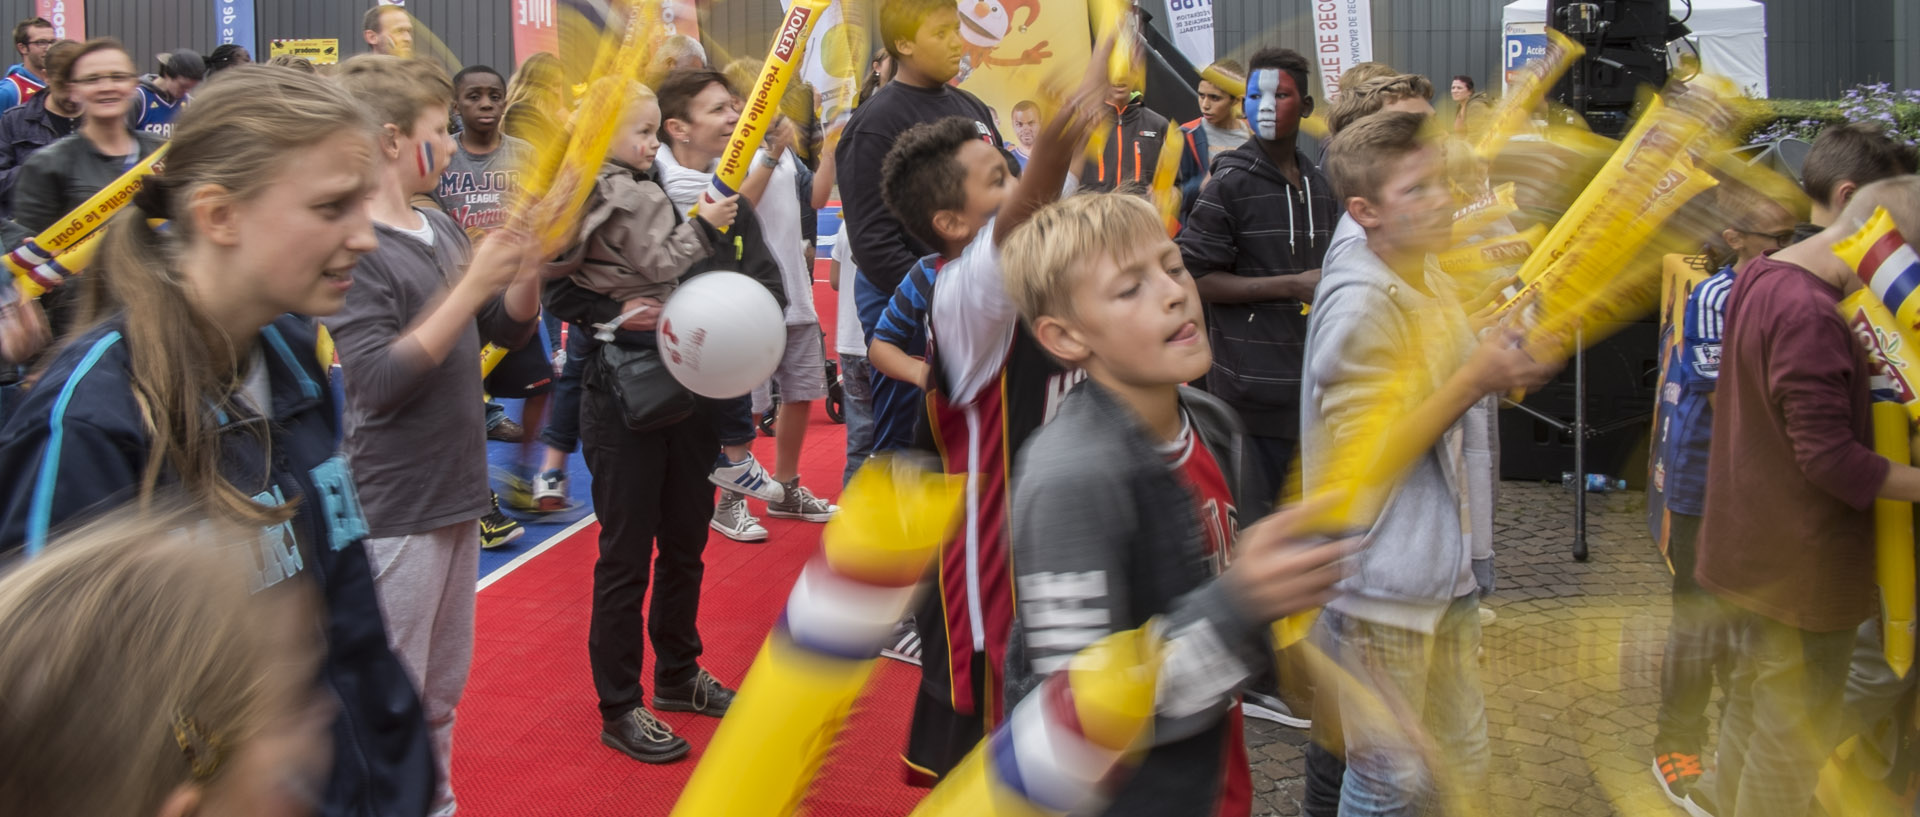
column 1343, row 38
column 1191, row 22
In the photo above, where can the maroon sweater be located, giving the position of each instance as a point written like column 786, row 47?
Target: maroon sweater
column 1788, row 530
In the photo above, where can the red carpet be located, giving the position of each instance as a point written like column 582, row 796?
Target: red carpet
column 527, row 739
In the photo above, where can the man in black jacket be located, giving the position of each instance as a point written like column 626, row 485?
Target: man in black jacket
column 48, row 116
column 1254, row 242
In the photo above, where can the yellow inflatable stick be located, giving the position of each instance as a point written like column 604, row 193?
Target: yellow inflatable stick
column 1476, row 215
column 490, row 357
column 556, row 189
column 1502, row 251
column 77, row 257
column 1061, row 749
column 1512, row 113
column 763, row 102
column 803, row 684
column 1165, row 196
column 1893, row 543
column 90, row 216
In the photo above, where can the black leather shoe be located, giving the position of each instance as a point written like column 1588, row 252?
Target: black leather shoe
column 641, row 736
column 702, row 696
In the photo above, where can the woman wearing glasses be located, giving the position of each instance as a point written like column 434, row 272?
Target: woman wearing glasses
column 65, row 174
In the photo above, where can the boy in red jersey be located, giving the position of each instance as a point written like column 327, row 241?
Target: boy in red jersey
column 986, row 392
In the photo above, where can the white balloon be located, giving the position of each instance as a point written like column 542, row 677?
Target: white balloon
column 722, row 334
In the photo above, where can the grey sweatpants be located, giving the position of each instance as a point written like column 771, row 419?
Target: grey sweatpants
column 426, row 585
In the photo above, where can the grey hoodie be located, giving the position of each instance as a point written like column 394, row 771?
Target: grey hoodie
column 1420, row 550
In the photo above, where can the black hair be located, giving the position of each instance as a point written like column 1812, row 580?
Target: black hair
column 677, row 91
column 185, row 63
column 922, row 175
column 1285, row 59
column 1463, row 78
column 227, row 55
column 901, row 20
column 477, row 69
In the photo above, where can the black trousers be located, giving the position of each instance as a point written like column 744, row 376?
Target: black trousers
column 651, row 493
column 1696, row 652
column 1264, row 474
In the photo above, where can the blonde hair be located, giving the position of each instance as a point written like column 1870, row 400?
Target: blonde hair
column 1353, row 77
column 397, row 90
column 134, row 660
column 1367, row 98
column 1044, row 258
column 236, row 135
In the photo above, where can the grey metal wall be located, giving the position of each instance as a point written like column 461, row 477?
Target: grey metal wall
column 1815, row 48
column 1438, row 38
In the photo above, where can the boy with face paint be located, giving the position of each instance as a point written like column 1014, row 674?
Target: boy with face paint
column 420, row 307
column 1254, row 241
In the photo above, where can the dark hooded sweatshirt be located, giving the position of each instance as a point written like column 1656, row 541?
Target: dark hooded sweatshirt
column 76, row 447
column 1251, row 221
column 1132, row 151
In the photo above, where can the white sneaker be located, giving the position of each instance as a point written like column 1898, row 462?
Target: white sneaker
column 747, row 477
column 1488, row 616
column 731, row 519
column 1269, row 708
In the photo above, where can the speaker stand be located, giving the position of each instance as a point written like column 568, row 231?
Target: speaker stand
column 1580, row 431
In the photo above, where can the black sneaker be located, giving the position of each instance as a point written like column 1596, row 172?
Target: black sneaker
column 641, row 736
column 497, row 529
column 704, row 695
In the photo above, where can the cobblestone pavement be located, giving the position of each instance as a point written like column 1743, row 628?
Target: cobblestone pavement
column 1570, row 668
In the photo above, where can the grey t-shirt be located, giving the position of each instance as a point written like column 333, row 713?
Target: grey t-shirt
column 1220, row 141
column 475, row 187
column 416, row 436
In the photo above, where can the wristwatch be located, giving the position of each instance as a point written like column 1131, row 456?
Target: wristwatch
column 770, row 161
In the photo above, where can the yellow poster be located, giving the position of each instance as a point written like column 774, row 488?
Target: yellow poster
column 1014, row 46
column 317, row 51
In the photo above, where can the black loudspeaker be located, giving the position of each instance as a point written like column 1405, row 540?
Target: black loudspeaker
column 1626, row 43
column 1623, row 380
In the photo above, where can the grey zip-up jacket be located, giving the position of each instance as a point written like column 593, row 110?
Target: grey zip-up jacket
column 1105, row 537
column 632, row 243
column 1420, row 549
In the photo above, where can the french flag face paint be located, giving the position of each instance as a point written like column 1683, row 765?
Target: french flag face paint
column 425, row 157
column 1263, row 102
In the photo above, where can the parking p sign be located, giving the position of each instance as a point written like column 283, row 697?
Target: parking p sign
column 1523, row 43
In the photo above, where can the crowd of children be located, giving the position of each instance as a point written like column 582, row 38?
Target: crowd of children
column 1015, row 310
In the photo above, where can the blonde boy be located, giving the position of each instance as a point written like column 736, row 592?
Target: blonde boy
column 1124, row 504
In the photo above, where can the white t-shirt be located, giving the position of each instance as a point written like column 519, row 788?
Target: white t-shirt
column 848, row 339
column 779, row 212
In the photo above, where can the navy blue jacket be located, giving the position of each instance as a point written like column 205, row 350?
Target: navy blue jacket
column 75, row 447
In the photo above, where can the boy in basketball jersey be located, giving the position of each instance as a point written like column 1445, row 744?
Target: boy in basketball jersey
column 987, row 388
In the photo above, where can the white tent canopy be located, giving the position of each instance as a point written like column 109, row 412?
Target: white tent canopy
column 1731, row 36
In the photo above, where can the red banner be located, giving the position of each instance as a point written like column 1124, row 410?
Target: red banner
column 533, row 29
column 69, row 17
